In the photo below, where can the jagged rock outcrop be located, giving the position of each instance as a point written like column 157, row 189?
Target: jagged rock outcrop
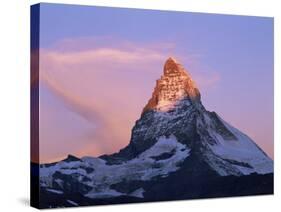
column 174, row 85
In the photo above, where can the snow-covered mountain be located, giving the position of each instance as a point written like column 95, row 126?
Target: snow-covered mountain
column 178, row 150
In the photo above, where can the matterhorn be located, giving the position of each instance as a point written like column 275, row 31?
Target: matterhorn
column 178, row 150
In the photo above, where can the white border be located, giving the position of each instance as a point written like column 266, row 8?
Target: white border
column 14, row 102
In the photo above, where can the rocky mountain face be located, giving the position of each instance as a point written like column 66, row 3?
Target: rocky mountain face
column 175, row 109
column 172, row 87
column 178, row 150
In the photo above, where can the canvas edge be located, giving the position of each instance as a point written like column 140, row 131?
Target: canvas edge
column 34, row 102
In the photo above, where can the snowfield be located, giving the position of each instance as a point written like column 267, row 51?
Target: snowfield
column 243, row 154
column 147, row 165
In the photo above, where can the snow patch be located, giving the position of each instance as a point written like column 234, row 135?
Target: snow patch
column 138, row 193
column 72, row 202
column 106, row 193
column 54, row 191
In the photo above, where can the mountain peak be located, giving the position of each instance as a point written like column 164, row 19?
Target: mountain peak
column 171, row 60
column 171, row 65
column 174, row 85
column 71, row 158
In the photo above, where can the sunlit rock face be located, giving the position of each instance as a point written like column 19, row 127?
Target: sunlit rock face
column 174, row 85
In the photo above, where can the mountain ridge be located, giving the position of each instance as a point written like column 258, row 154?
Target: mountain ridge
column 175, row 140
